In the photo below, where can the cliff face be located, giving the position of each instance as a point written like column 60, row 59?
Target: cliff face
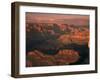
column 56, row 44
column 63, row 57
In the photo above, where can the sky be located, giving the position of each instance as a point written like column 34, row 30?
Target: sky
column 57, row 18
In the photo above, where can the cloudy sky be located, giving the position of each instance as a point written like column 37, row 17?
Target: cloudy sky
column 57, row 18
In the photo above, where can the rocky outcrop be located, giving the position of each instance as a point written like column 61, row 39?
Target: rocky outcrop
column 63, row 57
